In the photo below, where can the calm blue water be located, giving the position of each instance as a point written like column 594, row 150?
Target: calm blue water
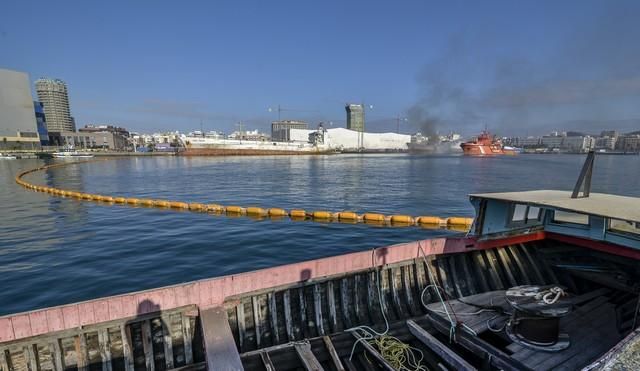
column 55, row 251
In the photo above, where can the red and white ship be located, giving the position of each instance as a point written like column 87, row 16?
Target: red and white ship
column 486, row 145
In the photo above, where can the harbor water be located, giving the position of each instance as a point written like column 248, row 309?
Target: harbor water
column 56, row 250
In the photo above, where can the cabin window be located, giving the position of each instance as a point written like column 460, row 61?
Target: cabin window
column 519, row 213
column 523, row 214
column 623, row 226
column 569, row 217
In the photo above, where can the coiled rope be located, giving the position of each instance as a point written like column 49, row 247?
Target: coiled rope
column 401, row 356
column 429, row 222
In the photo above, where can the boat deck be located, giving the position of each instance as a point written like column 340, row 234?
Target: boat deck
column 306, row 325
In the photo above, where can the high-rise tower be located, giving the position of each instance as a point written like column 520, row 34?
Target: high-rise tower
column 355, row 117
column 55, row 99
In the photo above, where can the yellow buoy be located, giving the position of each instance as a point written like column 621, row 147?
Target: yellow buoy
column 146, row 202
column 430, row 220
column 321, row 215
column 298, row 214
column 161, row 203
column 459, row 221
column 106, row 198
column 347, row 215
column 235, row 210
column 195, row 206
column 215, row 208
column 133, row 201
column 256, row 211
column 402, row 219
column 120, row 200
column 178, row 205
column 371, row 217
column 277, row 212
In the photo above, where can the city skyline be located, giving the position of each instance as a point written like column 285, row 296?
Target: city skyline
column 560, row 67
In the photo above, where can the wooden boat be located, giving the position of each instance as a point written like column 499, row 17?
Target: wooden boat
column 457, row 300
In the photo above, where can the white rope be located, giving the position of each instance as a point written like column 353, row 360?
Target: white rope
column 551, row 295
column 452, row 323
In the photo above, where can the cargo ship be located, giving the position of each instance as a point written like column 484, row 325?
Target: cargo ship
column 486, row 145
column 543, row 280
column 198, row 145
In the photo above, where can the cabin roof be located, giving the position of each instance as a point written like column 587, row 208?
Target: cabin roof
column 600, row 204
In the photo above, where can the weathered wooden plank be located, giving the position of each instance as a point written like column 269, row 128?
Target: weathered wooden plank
column 375, row 296
column 459, row 284
column 494, row 270
column 257, row 324
column 57, row 362
column 478, row 265
column 288, row 320
column 332, row 353
column 331, row 302
column 241, row 325
column 441, row 273
column 220, row 347
column 396, row 280
column 470, row 280
column 187, row 336
column 104, row 346
column 273, row 317
column 266, row 361
column 345, row 302
column 31, row 357
column 407, row 275
column 373, row 352
column 317, row 303
column 452, row 359
column 168, row 342
column 512, row 250
column 4, row 365
column 127, row 351
column 361, row 315
column 147, row 345
column 506, row 264
column 309, row 361
column 304, row 323
column 81, row 352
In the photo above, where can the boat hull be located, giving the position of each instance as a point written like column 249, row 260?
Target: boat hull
column 472, row 149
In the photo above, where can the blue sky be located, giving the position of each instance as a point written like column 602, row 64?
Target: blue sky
column 519, row 67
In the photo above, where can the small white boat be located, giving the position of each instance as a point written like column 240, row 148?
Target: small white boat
column 5, row 156
column 71, row 154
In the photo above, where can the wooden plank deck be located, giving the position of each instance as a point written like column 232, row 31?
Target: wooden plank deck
column 220, row 347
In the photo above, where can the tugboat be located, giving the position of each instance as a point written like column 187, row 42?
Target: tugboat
column 486, row 145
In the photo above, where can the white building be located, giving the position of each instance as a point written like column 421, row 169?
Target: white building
column 351, row 140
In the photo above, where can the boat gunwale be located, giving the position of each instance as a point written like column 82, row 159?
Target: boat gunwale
column 210, row 292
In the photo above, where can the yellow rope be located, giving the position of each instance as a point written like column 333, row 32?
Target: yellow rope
column 429, row 222
column 400, row 355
